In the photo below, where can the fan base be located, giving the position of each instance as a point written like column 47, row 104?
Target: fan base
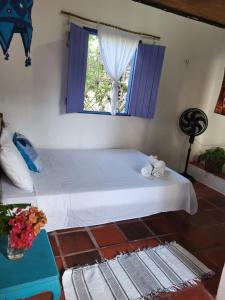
column 189, row 177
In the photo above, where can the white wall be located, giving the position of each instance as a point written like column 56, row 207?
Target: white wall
column 215, row 134
column 32, row 99
column 186, row 85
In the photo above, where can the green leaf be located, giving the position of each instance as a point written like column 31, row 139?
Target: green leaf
column 6, row 214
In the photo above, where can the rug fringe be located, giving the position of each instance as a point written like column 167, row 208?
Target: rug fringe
column 172, row 289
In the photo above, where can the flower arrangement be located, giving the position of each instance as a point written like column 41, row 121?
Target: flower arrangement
column 22, row 224
column 25, row 226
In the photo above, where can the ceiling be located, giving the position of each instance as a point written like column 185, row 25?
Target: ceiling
column 207, row 11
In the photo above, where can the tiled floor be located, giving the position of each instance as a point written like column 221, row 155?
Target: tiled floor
column 202, row 234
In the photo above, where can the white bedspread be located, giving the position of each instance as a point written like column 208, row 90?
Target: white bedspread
column 90, row 187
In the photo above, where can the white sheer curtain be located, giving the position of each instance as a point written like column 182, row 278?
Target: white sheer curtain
column 116, row 49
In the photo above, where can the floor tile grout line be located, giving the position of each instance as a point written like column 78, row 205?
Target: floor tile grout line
column 79, row 252
column 150, row 230
column 97, row 247
column 60, row 251
column 70, row 231
column 153, row 236
column 100, row 225
column 121, row 231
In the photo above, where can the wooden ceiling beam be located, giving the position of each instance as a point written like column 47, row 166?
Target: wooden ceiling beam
column 208, row 11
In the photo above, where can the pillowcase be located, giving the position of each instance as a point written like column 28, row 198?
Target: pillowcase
column 28, row 152
column 13, row 164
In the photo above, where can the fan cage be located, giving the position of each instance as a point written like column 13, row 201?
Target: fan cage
column 193, row 122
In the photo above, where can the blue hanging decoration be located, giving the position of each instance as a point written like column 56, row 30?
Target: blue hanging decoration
column 15, row 17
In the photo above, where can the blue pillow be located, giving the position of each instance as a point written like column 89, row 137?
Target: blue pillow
column 28, row 152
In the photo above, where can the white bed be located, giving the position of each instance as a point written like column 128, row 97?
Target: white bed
column 90, row 187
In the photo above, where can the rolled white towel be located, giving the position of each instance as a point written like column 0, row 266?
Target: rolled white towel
column 146, row 171
column 153, row 159
column 159, row 168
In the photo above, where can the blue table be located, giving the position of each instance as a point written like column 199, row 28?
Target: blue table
column 35, row 273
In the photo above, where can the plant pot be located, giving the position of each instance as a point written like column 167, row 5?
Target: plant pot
column 214, row 166
column 13, row 253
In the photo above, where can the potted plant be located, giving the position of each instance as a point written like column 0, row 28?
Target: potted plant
column 22, row 225
column 214, row 159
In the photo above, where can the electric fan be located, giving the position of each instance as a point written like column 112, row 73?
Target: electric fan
column 193, row 122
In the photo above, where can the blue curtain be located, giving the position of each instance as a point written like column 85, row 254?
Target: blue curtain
column 146, row 78
column 78, row 49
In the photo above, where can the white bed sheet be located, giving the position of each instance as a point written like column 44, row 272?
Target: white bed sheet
column 91, row 187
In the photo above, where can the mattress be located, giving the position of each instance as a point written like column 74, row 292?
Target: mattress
column 79, row 188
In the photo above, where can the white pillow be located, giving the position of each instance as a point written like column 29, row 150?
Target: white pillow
column 6, row 135
column 13, row 164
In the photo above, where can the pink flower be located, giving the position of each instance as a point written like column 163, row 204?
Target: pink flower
column 25, row 225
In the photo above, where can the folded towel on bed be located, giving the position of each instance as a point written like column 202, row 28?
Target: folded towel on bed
column 159, row 169
column 153, row 159
column 146, row 171
column 154, row 167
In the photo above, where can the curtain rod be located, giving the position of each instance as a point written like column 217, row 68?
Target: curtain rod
column 154, row 37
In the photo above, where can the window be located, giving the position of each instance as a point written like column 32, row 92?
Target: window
column 98, row 86
column 89, row 87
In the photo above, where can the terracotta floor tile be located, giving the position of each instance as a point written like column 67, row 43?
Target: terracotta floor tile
column 70, row 230
column 108, row 235
column 195, row 293
column 203, row 204
column 179, row 218
column 212, row 284
column 152, row 216
column 54, row 245
column 213, row 258
column 199, row 186
column 135, row 230
column 75, row 242
column 177, row 237
column 42, row 296
column 180, row 214
column 203, row 238
column 216, row 199
column 204, row 218
column 141, row 244
column 163, row 225
column 62, row 296
column 59, row 263
column 218, row 215
column 112, row 251
column 82, row 259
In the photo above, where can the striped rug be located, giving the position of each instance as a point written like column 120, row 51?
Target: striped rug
column 136, row 275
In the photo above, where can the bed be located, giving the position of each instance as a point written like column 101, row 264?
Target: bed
column 80, row 188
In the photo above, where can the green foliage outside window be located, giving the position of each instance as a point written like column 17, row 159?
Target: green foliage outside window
column 98, row 83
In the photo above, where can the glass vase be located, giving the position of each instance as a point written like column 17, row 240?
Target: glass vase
column 13, row 253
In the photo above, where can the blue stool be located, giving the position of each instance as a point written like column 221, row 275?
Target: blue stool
column 35, row 273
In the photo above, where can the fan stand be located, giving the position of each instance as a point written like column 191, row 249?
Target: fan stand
column 185, row 174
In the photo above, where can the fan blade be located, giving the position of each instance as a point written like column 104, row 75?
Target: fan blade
column 201, row 120
column 195, row 113
column 186, row 118
column 198, row 129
